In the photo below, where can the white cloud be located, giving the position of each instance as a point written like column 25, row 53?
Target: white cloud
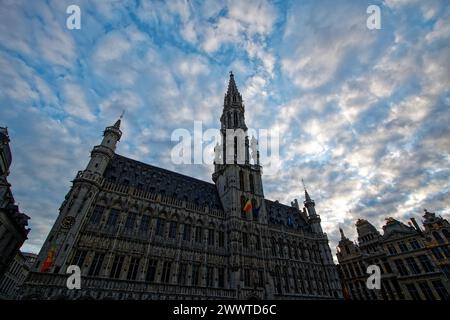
column 75, row 102
column 316, row 43
column 119, row 101
column 112, row 47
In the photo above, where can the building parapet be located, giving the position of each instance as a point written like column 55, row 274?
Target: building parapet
column 41, row 281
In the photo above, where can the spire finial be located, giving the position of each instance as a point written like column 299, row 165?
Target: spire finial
column 233, row 94
column 117, row 124
column 307, row 197
column 342, row 233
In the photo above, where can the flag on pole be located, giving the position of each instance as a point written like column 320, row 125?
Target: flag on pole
column 248, row 206
column 48, row 262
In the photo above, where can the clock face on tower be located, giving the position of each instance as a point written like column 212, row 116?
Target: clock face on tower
column 67, row 222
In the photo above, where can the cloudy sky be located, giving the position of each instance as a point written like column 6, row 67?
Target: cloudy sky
column 363, row 114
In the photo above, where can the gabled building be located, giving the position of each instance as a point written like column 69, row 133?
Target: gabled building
column 410, row 269
column 13, row 223
column 12, row 280
column 437, row 240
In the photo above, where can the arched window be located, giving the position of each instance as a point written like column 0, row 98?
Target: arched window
column 235, row 119
column 173, row 227
column 437, row 236
column 295, row 249
column 257, row 242
column 278, row 279
column 300, row 277
column 160, row 223
column 280, row 248
column 245, row 240
column 235, row 149
column 255, row 210
column 241, row 180
column 273, row 246
column 446, row 234
column 252, row 185
column 308, row 281
column 286, row 279
column 187, row 231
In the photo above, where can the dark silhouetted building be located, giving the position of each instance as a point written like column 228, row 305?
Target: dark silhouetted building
column 142, row 232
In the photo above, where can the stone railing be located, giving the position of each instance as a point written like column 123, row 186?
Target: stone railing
column 153, row 197
column 89, row 176
column 145, row 195
column 297, row 232
column 114, row 187
column 46, row 280
column 104, row 150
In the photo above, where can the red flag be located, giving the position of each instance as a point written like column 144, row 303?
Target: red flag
column 248, row 206
column 49, row 260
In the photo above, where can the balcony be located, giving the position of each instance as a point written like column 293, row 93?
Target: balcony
column 104, row 150
column 46, row 281
column 153, row 197
column 89, row 176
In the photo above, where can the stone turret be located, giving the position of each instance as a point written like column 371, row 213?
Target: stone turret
column 75, row 207
column 313, row 217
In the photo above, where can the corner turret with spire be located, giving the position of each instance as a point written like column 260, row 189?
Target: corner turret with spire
column 346, row 247
column 74, row 210
column 313, row 217
column 102, row 154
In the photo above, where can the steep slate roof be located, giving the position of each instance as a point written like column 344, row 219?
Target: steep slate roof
column 282, row 214
column 394, row 228
column 143, row 176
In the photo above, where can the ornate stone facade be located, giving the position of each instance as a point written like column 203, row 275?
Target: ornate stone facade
column 13, row 223
column 413, row 262
column 142, row 232
column 15, row 275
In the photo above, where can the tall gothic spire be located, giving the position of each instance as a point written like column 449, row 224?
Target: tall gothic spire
column 235, row 140
column 117, row 124
column 343, row 237
column 307, row 197
column 232, row 96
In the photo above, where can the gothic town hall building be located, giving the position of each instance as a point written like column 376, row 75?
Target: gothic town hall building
column 142, row 232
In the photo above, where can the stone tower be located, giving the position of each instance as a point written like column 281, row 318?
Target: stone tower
column 75, row 207
column 313, row 217
column 237, row 175
column 138, row 231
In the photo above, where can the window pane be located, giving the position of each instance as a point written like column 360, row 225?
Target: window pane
column 97, row 214
column 173, row 230
column 187, row 232
column 131, row 219
column 151, row 270
column 113, row 217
